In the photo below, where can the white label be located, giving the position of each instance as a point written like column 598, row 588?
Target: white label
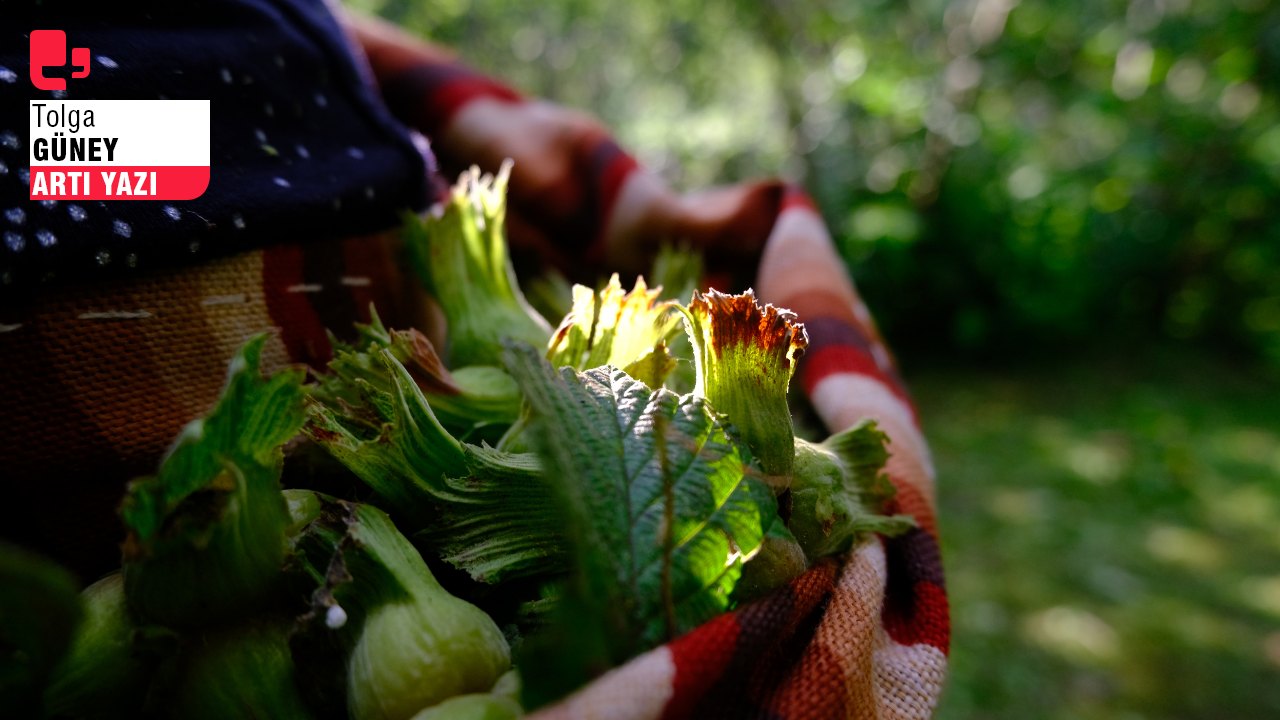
column 119, row 132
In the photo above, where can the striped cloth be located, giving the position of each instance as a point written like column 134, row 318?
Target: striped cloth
column 98, row 378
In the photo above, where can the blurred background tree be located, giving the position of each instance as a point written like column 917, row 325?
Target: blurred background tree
column 1003, row 177
column 1085, row 189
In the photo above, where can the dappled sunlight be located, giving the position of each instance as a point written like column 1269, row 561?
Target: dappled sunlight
column 1262, row 593
column 1189, row 548
column 1019, row 506
column 1271, row 646
column 1111, row 545
column 1075, row 634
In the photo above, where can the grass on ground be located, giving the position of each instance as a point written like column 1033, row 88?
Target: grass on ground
column 1112, row 540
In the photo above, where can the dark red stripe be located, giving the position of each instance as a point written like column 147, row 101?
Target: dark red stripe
column 701, row 658
column 324, row 264
column 300, row 327
column 914, row 555
column 927, row 623
column 721, row 281
column 812, row 303
column 367, row 258
column 609, row 166
column 773, row 632
column 826, row 331
column 428, row 95
column 915, row 598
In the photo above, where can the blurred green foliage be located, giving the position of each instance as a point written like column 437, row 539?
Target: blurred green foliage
column 1006, row 177
column 1001, row 175
column 1112, row 537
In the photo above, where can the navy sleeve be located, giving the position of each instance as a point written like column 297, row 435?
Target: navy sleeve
column 301, row 148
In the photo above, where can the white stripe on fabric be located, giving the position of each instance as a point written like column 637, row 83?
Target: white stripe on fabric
column 638, row 690
column 908, row 679
column 842, row 399
column 800, row 237
column 115, row 315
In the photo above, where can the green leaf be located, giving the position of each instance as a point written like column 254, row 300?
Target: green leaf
column 864, row 452
column 39, row 612
column 475, row 396
column 677, row 270
column 462, row 257
column 391, row 440
column 486, row 396
column 501, row 520
column 487, row 512
column 661, row 508
column 253, row 418
column 745, row 356
column 207, row 532
column 653, row 366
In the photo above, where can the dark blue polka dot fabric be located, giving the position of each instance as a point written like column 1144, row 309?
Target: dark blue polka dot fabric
column 301, row 147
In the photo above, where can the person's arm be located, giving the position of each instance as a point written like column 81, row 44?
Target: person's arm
column 576, row 196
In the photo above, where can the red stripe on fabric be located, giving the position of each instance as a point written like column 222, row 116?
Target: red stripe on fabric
column 836, row 359
column 700, row 657
column 438, row 108
column 908, row 500
column 427, row 93
column 794, row 197
column 611, row 180
column 373, row 277
column 283, row 287
column 929, row 622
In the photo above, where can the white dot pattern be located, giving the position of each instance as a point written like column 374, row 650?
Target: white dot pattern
column 269, row 88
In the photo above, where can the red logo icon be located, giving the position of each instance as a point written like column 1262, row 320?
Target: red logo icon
column 49, row 49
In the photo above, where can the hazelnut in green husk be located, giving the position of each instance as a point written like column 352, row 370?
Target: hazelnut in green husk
column 107, row 671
